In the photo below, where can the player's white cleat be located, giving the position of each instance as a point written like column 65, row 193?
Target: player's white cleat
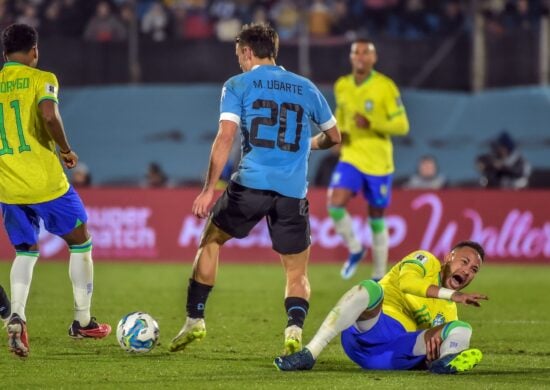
column 194, row 329
column 293, row 339
column 457, row 362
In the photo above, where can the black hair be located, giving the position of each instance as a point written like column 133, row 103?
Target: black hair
column 471, row 244
column 19, row 38
column 363, row 40
column 261, row 38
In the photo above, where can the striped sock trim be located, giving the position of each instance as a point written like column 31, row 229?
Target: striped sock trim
column 27, row 253
column 297, row 308
column 81, row 248
column 453, row 324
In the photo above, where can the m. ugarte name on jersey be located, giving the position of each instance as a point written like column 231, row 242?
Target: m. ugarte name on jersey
column 275, row 84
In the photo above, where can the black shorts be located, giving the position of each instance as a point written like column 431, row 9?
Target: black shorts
column 239, row 209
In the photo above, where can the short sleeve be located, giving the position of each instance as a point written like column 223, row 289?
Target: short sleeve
column 321, row 114
column 47, row 88
column 230, row 103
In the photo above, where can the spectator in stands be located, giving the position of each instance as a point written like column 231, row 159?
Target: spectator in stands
column 452, row 18
column 72, row 18
column 81, row 176
column 414, row 22
column 286, row 16
column 192, row 20
column 319, row 19
column 155, row 177
column 104, row 26
column 504, row 166
column 29, row 16
column 227, row 21
column 427, row 176
column 518, row 15
column 51, row 25
column 155, row 23
column 6, row 17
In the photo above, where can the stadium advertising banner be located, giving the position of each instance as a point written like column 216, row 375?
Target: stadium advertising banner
column 157, row 225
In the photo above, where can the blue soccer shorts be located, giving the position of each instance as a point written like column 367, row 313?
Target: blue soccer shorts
column 61, row 216
column 387, row 346
column 376, row 189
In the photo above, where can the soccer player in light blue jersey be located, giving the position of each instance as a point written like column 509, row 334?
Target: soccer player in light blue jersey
column 273, row 109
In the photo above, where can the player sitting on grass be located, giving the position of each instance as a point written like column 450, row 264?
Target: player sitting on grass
column 406, row 321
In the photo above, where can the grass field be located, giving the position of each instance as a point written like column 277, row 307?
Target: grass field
column 245, row 320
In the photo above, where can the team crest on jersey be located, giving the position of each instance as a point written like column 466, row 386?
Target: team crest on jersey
column 369, row 105
column 438, row 320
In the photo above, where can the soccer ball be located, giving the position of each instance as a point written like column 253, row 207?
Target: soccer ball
column 137, row 332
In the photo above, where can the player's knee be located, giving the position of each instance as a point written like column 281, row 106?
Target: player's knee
column 336, row 213
column 213, row 234
column 377, row 224
column 456, row 326
column 376, row 294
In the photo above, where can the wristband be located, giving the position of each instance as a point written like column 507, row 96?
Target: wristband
column 445, row 293
column 67, row 152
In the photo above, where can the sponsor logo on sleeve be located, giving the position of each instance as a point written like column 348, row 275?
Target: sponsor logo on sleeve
column 50, row 89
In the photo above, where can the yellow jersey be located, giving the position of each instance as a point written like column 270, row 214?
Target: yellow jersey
column 30, row 170
column 377, row 99
column 405, row 288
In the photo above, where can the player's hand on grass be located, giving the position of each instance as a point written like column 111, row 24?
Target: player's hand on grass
column 201, row 205
column 468, row 299
column 433, row 345
column 361, row 121
column 70, row 159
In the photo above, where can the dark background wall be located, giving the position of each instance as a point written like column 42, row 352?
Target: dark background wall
column 512, row 60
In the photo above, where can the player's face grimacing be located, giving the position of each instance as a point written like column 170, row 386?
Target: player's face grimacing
column 362, row 57
column 461, row 267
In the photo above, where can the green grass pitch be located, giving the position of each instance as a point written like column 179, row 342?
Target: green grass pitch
column 245, row 321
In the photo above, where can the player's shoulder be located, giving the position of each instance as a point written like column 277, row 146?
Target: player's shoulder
column 423, row 258
column 383, row 79
column 298, row 79
column 344, row 81
column 235, row 80
column 39, row 73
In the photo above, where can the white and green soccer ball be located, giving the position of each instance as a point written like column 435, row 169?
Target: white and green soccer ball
column 137, row 332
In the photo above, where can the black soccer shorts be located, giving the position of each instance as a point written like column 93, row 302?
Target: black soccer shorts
column 240, row 208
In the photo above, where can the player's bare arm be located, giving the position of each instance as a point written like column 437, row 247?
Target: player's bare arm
column 218, row 158
column 455, row 296
column 50, row 114
column 326, row 139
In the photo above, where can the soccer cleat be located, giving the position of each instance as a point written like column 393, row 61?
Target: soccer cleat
column 456, row 362
column 298, row 361
column 293, row 339
column 351, row 264
column 194, row 329
column 93, row 330
column 18, row 338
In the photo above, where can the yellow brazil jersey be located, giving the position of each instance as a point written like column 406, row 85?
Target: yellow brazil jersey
column 405, row 288
column 30, row 170
column 378, row 99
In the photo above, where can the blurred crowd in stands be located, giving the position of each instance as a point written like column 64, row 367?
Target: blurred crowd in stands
column 160, row 20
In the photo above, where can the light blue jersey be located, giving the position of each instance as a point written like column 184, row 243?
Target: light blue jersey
column 273, row 108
